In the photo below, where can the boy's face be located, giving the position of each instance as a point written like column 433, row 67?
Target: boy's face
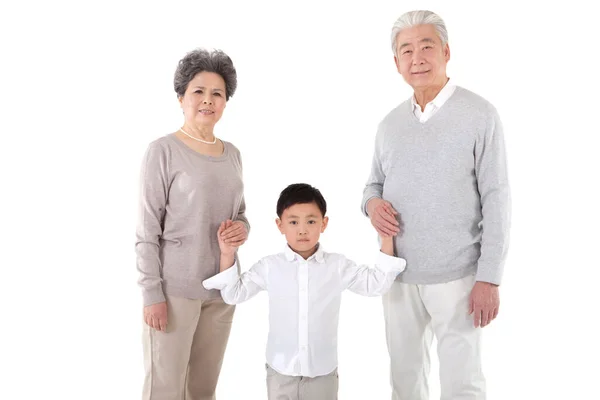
column 302, row 225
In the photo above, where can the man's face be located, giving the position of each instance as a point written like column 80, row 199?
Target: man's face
column 420, row 57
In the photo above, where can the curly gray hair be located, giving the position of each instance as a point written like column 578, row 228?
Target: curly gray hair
column 200, row 60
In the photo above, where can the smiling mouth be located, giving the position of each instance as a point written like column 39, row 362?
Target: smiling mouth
column 206, row 112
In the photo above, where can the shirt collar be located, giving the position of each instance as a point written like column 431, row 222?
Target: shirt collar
column 291, row 255
column 441, row 97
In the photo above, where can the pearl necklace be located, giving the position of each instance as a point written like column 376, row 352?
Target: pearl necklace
column 199, row 140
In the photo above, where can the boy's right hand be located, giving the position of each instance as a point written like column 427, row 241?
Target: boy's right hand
column 225, row 248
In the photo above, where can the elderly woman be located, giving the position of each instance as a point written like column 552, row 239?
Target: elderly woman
column 191, row 183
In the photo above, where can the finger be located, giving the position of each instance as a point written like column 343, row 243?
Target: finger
column 221, row 227
column 242, row 235
column 388, row 216
column 229, row 226
column 477, row 319
column 484, row 317
column 236, row 244
column 471, row 306
column 496, row 311
column 382, row 230
column 386, row 225
column 162, row 322
column 232, row 231
column 153, row 322
column 390, row 208
column 490, row 317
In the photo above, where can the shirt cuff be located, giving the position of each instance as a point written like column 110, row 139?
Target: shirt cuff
column 222, row 279
column 388, row 263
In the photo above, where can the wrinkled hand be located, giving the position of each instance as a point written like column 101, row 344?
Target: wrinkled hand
column 155, row 316
column 384, row 217
column 484, row 303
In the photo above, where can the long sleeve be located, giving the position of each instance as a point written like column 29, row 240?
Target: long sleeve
column 366, row 281
column 154, row 186
column 492, row 182
column 374, row 185
column 237, row 288
column 241, row 216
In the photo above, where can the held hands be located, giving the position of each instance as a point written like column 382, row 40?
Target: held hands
column 231, row 235
column 155, row 316
column 484, row 303
column 383, row 217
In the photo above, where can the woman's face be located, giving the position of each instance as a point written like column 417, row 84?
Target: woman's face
column 204, row 99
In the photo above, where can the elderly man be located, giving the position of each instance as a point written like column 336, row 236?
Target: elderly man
column 439, row 184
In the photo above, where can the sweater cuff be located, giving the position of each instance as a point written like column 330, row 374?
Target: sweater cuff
column 153, row 295
column 367, row 202
column 222, row 279
column 488, row 276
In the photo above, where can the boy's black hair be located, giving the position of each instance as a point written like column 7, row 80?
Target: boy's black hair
column 300, row 193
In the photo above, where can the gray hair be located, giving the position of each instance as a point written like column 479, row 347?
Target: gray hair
column 419, row 17
column 201, row 60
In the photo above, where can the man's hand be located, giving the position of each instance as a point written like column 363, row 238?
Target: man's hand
column 234, row 234
column 383, row 217
column 484, row 303
column 155, row 316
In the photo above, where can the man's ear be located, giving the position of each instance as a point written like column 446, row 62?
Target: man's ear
column 279, row 224
column 397, row 64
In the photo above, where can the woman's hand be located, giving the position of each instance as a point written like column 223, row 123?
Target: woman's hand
column 234, row 234
column 155, row 316
column 227, row 248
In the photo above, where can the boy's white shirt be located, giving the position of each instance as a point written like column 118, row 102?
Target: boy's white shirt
column 304, row 302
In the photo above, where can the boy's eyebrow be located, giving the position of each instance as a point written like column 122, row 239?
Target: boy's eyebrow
column 308, row 216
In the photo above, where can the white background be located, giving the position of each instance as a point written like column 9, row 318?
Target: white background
column 86, row 86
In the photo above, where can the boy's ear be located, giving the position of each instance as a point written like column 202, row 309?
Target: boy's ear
column 324, row 225
column 279, row 224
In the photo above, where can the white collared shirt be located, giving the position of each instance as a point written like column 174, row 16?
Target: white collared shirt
column 434, row 105
column 304, row 302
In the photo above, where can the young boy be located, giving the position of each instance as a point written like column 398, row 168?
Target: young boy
column 304, row 284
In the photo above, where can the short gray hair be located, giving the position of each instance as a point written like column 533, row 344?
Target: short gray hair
column 200, row 60
column 419, row 17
